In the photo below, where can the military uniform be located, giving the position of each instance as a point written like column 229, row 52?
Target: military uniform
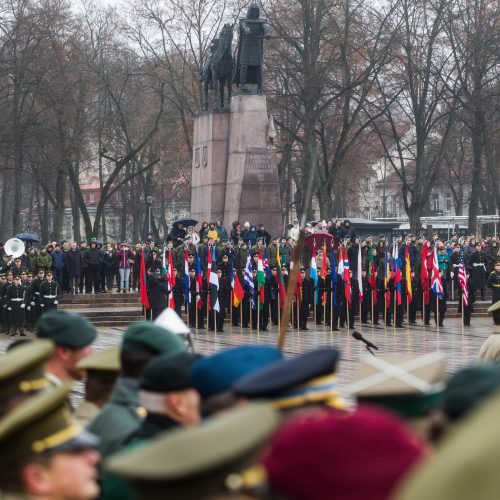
column 122, row 414
column 16, row 305
column 49, row 295
column 494, row 284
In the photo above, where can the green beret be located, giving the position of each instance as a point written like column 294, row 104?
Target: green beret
column 106, row 360
column 469, row 387
column 214, row 458
column 22, row 372
column 146, row 336
column 168, row 372
column 66, row 328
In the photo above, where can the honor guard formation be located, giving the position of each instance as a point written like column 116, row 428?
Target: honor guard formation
column 150, row 418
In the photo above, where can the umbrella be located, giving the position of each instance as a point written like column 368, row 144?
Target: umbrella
column 186, row 222
column 28, row 237
column 318, row 239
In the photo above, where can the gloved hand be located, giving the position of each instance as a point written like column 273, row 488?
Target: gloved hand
column 32, row 303
column 23, row 306
column 9, row 308
column 56, row 302
column 42, row 305
column 452, row 274
column 28, row 308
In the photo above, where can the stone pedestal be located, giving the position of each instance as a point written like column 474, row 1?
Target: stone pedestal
column 252, row 184
column 234, row 169
column 209, row 167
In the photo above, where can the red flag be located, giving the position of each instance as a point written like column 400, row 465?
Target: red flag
column 171, row 278
column 142, row 281
column 238, row 292
column 424, row 273
column 373, row 281
column 323, row 273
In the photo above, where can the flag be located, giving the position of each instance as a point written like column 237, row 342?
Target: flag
column 213, row 280
column 199, row 280
column 261, row 280
column 372, row 279
column 238, row 292
column 248, row 279
column 186, row 278
column 409, row 290
column 163, row 264
column 267, row 270
column 323, row 273
column 340, row 270
column 424, row 273
column 398, row 278
column 347, row 278
column 313, row 273
column 386, row 280
column 142, row 279
column 462, row 278
column 171, row 279
column 334, row 276
column 436, row 284
column 280, row 281
column 360, row 278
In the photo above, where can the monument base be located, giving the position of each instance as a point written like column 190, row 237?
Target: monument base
column 209, row 167
column 252, row 182
column 234, row 169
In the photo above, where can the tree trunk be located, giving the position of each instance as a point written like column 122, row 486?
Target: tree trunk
column 476, row 173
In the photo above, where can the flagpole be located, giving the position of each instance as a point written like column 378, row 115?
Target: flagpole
column 394, row 317
column 437, row 311
column 463, row 305
column 197, row 325
column 407, row 307
column 251, row 314
column 385, row 308
column 240, row 305
column 347, row 314
column 208, row 308
column 360, row 322
column 279, row 311
column 331, row 309
column 373, row 321
column 231, row 310
column 258, row 312
column 314, row 305
column 298, row 315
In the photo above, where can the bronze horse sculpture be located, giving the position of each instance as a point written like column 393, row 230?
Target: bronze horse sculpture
column 218, row 70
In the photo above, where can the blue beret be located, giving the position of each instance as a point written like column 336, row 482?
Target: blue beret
column 279, row 377
column 217, row 373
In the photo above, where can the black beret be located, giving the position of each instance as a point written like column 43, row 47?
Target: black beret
column 168, row 372
column 283, row 375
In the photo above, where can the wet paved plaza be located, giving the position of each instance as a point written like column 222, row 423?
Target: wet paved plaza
column 459, row 345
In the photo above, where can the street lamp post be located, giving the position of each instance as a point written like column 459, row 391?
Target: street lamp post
column 149, row 201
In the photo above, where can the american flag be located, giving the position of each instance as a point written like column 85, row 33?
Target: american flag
column 462, row 278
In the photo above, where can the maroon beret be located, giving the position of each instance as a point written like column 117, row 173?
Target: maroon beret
column 326, row 454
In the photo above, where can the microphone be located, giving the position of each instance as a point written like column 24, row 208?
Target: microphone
column 358, row 336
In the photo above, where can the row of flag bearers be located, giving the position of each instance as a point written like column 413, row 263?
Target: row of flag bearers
column 255, row 294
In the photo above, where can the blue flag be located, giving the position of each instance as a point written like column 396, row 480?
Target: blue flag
column 334, row 276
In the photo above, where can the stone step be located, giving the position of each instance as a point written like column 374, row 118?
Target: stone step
column 100, row 297
column 87, row 305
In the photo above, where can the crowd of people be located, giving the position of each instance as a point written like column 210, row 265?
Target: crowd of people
column 351, row 276
column 160, row 421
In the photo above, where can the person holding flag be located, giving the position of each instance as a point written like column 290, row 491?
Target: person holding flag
column 238, row 298
column 213, row 287
column 313, row 276
column 466, row 295
column 370, row 302
column 248, row 288
column 346, row 311
column 437, row 291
